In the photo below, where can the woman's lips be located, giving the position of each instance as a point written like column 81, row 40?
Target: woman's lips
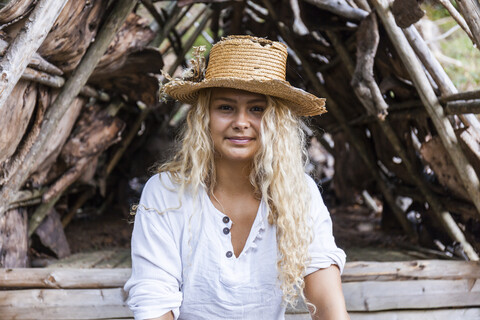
column 240, row 140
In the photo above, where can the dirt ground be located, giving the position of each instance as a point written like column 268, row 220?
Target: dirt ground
column 356, row 229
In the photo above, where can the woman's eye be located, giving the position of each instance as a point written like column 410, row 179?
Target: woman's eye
column 225, row 107
column 258, row 109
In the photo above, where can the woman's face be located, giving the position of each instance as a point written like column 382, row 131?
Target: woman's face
column 235, row 118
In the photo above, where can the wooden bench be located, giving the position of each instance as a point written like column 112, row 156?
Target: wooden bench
column 423, row 289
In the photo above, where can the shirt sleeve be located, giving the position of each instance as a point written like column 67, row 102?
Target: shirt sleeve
column 154, row 286
column 323, row 250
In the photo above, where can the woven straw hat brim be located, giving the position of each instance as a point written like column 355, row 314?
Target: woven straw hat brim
column 298, row 100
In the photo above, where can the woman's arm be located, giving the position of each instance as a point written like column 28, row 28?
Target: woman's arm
column 323, row 289
column 166, row 316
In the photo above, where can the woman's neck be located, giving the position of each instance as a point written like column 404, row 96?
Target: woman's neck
column 233, row 177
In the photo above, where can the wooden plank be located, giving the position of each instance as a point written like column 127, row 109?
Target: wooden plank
column 353, row 272
column 404, row 270
column 63, row 304
column 63, row 278
column 441, row 314
column 411, row 294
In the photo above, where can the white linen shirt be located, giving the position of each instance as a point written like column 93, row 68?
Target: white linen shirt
column 183, row 261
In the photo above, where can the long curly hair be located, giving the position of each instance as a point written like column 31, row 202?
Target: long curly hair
column 277, row 175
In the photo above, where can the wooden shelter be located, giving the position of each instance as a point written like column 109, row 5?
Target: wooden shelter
column 82, row 119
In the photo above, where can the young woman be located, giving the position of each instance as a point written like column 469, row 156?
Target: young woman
column 232, row 227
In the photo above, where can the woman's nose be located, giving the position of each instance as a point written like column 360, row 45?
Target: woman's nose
column 241, row 120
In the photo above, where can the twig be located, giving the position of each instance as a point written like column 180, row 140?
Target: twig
column 457, row 16
column 460, row 107
column 341, row 8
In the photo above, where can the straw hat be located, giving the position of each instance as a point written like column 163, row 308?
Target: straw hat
column 246, row 63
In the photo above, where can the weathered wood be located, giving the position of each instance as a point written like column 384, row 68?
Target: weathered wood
column 470, row 10
column 410, row 270
column 63, row 304
column 71, row 89
column 59, row 278
column 467, row 95
column 340, row 117
column 72, row 33
column 14, row 118
column 13, row 239
column 341, row 8
column 440, row 314
column 411, row 294
column 460, row 107
column 26, row 43
column 437, row 72
column 363, row 81
column 364, row 73
column 465, row 170
column 43, row 78
column 14, row 10
column 457, row 16
column 50, row 233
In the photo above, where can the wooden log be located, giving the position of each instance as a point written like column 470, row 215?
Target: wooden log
column 26, row 43
column 84, row 278
column 341, row 8
column 14, row 118
column 67, row 95
column 13, row 10
column 64, row 304
column 43, row 78
column 13, row 239
column 467, row 95
column 411, row 294
column 72, row 33
column 460, row 107
column 465, row 170
column 410, row 270
column 470, row 10
column 60, row 278
column 438, row 314
column 363, row 81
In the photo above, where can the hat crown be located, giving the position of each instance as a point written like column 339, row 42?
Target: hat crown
column 248, row 58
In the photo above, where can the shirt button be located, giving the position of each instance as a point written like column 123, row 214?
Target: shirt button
column 226, row 230
column 229, row 254
column 226, row 219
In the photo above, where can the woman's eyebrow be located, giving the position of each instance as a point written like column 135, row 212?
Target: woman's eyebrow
column 225, row 99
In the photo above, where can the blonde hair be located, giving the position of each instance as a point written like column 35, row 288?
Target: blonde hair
column 277, row 176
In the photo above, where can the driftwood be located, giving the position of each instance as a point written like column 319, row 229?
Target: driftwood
column 72, row 33
column 13, row 240
column 470, row 10
column 51, row 235
column 26, row 44
column 67, row 95
column 14, row 10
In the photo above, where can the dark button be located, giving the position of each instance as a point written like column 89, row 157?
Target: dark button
column 226, row 230
column 229, row 254
column 226, row 219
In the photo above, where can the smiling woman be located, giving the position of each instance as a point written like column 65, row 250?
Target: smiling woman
column 232, row 227
column 235, row 118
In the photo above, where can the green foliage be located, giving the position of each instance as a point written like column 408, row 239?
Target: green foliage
column 465, row 72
